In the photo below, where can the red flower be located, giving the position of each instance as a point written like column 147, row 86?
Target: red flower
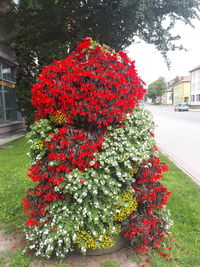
column 81, row 182
column 110, row 93
column 14, row 247
column 53, row 229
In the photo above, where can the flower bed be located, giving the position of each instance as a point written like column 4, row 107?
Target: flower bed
column 93, row 157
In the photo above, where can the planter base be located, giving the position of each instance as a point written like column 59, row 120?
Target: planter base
column 119, row 244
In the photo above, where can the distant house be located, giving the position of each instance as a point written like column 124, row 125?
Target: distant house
column 195, row 86
column 169, row 95
column 181, row 92
column 169, row 92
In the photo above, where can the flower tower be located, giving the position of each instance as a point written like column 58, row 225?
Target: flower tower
column 93, row 155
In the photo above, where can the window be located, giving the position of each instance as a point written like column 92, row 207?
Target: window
column 1, row 106
column 198, row 97
column 7, row 72
column 192, row 98
column 8, row 109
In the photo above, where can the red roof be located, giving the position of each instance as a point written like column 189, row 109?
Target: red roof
column 198, row 67
column 184, row 79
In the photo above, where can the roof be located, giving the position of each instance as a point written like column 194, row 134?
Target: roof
column 184, row 80
column 198, row 67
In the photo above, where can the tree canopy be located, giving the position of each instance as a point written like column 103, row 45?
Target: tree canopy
column 49, row 29
column 156, row 89
column 115, row 23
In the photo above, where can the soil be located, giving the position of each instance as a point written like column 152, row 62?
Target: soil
column 9, row 242
column 124, row 258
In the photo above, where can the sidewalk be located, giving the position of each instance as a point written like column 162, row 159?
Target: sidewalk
column 194, row 109
column 195, row 175
column 8, row 137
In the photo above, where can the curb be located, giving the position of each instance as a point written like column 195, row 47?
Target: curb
column 6, row 138
column 181, row 164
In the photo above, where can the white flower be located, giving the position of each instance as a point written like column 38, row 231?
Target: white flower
column 83, row 249
column 95, row 192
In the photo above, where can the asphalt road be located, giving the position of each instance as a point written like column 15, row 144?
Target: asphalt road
column 178, row 136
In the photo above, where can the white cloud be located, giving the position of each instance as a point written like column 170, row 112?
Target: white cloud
column 150, row 63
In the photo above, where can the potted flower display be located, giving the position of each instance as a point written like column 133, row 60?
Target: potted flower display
column 94, row 158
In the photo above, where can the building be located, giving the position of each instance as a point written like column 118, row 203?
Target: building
column 10, row 118
column 169, row 96
column 195, row 87
column 181, row 92
column 169, row 93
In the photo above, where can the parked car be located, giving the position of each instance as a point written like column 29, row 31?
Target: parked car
column 181, row 107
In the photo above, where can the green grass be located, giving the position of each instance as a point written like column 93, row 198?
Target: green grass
column 15, row 259
column 184, row 205
column 110, row 263
column 13, row 183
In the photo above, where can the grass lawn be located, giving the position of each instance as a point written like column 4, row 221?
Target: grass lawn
column 13, row 183
column 184, row 205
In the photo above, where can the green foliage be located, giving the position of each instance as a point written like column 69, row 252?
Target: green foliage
column 156, row 89
column 36, row 137
column 26, row 70
column 48, row 30
column 93, row 197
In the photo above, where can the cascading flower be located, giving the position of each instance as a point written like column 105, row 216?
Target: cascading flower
column 93, row 157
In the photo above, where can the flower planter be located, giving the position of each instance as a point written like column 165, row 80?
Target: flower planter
column 119, row 244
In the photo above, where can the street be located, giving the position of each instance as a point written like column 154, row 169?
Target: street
column 178, row 136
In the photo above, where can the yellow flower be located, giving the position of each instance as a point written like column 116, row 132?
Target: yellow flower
column 39, row 144
column 88, row 240
column 134, row 170
column 123, row 212
column 58, row 119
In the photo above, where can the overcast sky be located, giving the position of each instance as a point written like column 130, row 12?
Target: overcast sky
column 150, row 64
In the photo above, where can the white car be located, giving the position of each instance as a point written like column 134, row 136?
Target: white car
column 181, row 107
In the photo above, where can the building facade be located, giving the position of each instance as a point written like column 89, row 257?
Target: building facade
column 181, row 92
column 10, row 118
column 169, row 93
column 195, row 86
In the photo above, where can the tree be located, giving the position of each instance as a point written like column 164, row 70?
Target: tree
column 52, row 28
column 156, row 89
